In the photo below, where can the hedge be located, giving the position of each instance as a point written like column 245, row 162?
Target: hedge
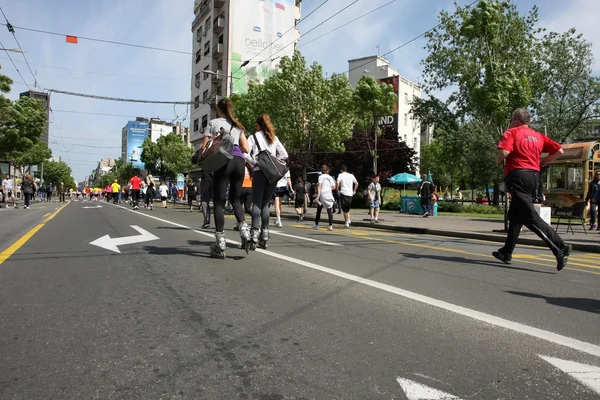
column 452, row 207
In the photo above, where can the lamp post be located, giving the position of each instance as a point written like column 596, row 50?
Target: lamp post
column 13, row 50
column 206, row 71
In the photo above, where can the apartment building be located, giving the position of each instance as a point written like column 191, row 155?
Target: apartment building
column 235, row 42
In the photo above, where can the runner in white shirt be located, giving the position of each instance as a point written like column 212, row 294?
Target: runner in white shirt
column 347, row 185
column 325, row 197
column 284, row 186
column 8, row 191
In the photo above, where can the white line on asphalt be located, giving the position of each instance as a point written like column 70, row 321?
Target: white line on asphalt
column 417, row 391
column 305, row 238
column 552, row 337
column 588, row 375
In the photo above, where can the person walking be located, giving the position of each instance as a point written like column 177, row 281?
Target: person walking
column 8, row 191
column 325, row 197
column 231, row 174
column 28, row 188
column 163, row 191
column 246, row 196
column 520, row 148
column 300, row 199
column 116, row 189
column 591, row 197
column 191, row 193
column 150, row 193
column 282, row 189
column 135, row 183
column 425, row 191
column 347, row 185
column 206, row 196
column 49, row 193
column 264, row 139
column 374, row 192
column 61, row 192
column 174, row 193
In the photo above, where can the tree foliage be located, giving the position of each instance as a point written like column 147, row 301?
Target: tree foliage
column 57, row 172
column 167, row 157
column 34, row 155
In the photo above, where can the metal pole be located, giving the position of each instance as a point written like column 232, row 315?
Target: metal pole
column 42, row 175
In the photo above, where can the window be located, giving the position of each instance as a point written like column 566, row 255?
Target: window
column 207, row 26
column 205, row 96
column 220, row 65
column 220, row 91
column 415, row 143
column 405, row 98
column 196, row 102
column 204, row 121
column 199, row 35
column 220, row 39
column 566, row 177
column 404, row 138
column 207, row 48
column 405, row 119
column 198, row 80
column 196, row 125
column 198, row 56
column 206, row 74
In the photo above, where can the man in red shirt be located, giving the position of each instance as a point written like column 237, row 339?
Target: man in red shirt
column 135, row 183
column 522, row 148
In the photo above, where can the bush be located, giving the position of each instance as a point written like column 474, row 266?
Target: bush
column 451, row 207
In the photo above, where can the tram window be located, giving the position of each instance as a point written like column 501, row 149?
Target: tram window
column 557, row 177
column 566, row 177
column 575, row 178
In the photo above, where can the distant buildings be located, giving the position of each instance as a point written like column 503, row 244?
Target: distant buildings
column 45, row 98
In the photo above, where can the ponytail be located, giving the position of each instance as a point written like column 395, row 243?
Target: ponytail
column 264, row 122
column 226, row 108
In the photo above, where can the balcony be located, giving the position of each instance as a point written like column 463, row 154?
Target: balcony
column 204, row 9
column 219, row 24
column 219, row 76
column 218, row 49
column 214, row 100
column 219, row 3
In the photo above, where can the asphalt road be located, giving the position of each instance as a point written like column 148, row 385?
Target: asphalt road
column 348, row 314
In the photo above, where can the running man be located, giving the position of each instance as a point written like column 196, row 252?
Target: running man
column 8, row 191
column 522, row 148
column 347, row 185
column 135, row 183
column 116, row 189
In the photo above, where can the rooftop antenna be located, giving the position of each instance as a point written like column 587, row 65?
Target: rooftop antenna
column 377, row 50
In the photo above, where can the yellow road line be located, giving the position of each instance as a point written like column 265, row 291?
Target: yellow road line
column 23, row 239
column 449, row 250
column 45, row 215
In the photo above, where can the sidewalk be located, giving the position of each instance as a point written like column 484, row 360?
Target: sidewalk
column 464, row 227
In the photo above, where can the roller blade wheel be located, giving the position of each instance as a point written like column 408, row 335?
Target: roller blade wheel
column 262, row 244
column 251, row 245
column 245, row 245
column 219, row 255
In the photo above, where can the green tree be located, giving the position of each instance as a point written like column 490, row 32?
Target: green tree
column 568, row 94
column 57, row 172
column 22, row 124
column 34, row 155
column 373, row 101
column 167, row 157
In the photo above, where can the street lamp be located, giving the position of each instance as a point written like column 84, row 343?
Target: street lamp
column 13, row 50
column 226, row 76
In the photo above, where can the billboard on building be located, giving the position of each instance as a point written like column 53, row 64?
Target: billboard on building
column 136, row 133
column 255, row 25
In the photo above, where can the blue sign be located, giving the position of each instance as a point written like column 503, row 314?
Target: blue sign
column 180, row 181
column 136, row 133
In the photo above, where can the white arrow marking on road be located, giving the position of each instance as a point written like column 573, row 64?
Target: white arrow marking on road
column 111, row 244
column 93, row 207
column 589, row 375
column 417, row 391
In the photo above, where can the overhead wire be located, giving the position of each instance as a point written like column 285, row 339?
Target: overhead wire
column 12, row 30
column 13, row 63
column 93, row 96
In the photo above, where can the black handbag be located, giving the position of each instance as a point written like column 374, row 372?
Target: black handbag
column 217, row 153
column 272, row 167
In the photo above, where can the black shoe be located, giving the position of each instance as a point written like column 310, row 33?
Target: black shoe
column 502, row 257
column 562, row 256
column 205, row 226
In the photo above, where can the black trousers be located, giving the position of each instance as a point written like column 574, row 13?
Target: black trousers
column 135, row 196
column 523, row 185
column 329, row 215
column 231, row 175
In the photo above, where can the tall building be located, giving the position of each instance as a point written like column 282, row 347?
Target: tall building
column 409, row 128
column 235, row 42
column 45, row 98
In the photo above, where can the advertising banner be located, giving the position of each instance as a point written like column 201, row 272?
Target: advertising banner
column 136, row 133
column 256, row 24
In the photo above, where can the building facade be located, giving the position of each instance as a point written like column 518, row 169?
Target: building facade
column 409, row 128
column 235, row 42
column 45, row 99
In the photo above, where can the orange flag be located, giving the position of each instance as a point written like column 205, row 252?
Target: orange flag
column 72, row 39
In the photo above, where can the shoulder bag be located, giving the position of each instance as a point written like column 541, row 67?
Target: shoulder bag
column 217, row 153
column 272, row 167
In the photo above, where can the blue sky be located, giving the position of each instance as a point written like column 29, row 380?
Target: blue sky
column 119, row 71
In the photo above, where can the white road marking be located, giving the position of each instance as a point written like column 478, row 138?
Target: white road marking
column 111, row 244
column 417, row 391
column 552, row 337
column 304, row 238
column 98, row 206
column 588, row 375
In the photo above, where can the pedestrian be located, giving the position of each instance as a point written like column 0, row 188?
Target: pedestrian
column 135, row 183
column 150, row 192
column 246, row 196
column 206, row 196
column 61, row 192
column 264, row 139
column 42, row 192
column 49, row 191
column 592, row 193
column 174, row 193
column 191, row 193
column 374, row 193
column 325, row 197
column 282, row 189
column 28, row 188
column 8, row 192
column 163, row 191
column 521, row 148
column 300, row 199
column 115, row 190
column 231, row 174
column 425, row 191
column 347, row 186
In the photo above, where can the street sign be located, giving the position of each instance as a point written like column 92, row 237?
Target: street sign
column 180, row 181
column 111, row 244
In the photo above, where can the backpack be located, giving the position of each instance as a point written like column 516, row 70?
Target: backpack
column 217, row 153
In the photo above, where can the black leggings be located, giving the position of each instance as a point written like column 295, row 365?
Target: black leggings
column 246, row 200
column 231, row 174
column 149, row 197
column 329, row 214
column 262, row 191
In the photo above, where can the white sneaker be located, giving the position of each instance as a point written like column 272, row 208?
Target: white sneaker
column 316, row 227
column 330, row 228
column 347, row 224
column 278, row 224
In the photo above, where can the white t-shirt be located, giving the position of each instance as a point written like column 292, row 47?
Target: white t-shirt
column 7, row 184
column 163, row 190
column 346, row 183
column 326, row 182
column 374, row 190
column 275, row 148
column 283, row 182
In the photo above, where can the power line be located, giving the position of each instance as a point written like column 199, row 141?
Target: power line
column 12, row 30
column 410, row 41
column 347, row 23
column 93, row 96
column 90, row 139
column 90, row 146
column 315, row 27
column 104, row 114
column 13, row 63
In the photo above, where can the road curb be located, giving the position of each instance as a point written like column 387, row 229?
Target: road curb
column 500, row 238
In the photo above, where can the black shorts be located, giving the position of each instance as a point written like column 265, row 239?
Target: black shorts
column 299, row 202
column 346, row 202
column 281, row 191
